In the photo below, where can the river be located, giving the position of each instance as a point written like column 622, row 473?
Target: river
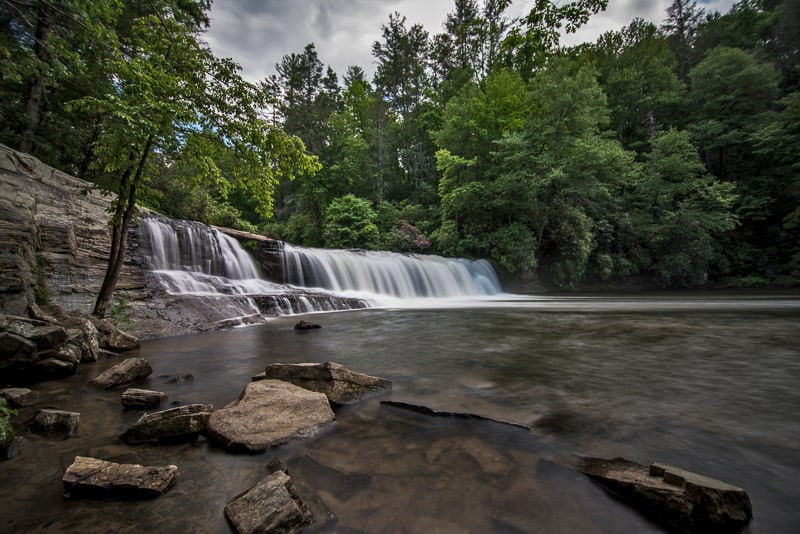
column 706, row 382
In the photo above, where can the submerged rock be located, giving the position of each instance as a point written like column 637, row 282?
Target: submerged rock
column 55, row 423
column 339, row 384
column 183, row 423
column 306, row 325
column 682, row 499
column 90, row 477
column 126, row 372
column 419, row 408
column 269, row 413
column 272, row 505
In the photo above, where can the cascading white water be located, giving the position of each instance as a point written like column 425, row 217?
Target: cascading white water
column 195, row 262
column 382, row 274
column 191, row 258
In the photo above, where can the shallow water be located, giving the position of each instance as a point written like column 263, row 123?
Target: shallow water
column 706, row 383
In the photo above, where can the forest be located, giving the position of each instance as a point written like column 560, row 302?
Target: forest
column 658, row 156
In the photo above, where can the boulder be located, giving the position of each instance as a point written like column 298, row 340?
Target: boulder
column 681, row 499
column 15, row 351
column 91, row 477
column 339, row 384
column 141, row 399
column 126, row 372
column 48, row 422
column 272, row 505
column 48, row 337
column 53, row 368
column 183, row 423
column 112, row 338
column 269, row 413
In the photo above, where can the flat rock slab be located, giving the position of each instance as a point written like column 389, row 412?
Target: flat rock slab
column 681, row 499
column 90, row 477
column 269, row 413
column 125, row 372
column 339, row 384
column 183, row 423
column 141, row 399
column 272, row 505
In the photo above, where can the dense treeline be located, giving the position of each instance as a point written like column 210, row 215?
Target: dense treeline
column 664, row 155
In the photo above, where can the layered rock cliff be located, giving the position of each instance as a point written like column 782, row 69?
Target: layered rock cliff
column 54, row 237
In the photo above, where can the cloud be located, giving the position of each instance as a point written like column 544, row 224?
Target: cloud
column 258, row 33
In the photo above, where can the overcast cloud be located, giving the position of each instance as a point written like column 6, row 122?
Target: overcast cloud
column 258, row 33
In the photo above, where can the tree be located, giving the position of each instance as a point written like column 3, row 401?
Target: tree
column 350, row 223
column 400, row 76
column 637, row 72
column 681, row 26
column 684, row 211
column 537, row 35
column 173, row 96
column 46, row 46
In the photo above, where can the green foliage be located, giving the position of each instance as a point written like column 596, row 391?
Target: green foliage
column 486, row 140
column 6, row 429
column 350, row 223
column 684, row 211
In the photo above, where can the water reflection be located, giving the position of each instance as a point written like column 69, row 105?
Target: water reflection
column 709, row 384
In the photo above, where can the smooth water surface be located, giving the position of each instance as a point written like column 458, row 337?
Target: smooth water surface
column 706, row 383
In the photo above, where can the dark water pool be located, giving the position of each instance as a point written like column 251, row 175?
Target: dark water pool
column 710, row 384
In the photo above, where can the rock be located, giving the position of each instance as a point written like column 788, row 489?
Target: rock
column 10, row 449
column 140, row 399
column 49, row 422
column 126, row 372
column 272, row 505
column 269, row 413
column 682, row 499
column 16, row 352
column 183, row 423
column 419, row 408
column 338, row 383
column 19, row 397
column 306, row 325
column 90, row 477
column 53, row 368
column 48, row 337
column 78, row 324
column 113, row 339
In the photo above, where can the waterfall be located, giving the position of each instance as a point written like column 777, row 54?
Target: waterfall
column 191, row 258
column 388, row 274
column 212, row 274
column 210, row 271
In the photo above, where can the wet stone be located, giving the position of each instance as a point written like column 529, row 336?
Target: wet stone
column 339, row 384
column 126, row 372
column 678, row 498
column 269, row 413
column 141, row 399
column 91, row 477
column 183, row 423
column 49, row 422
column 272, row 505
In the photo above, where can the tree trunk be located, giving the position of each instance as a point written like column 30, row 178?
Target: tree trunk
column 33, row 107
column 123, row 213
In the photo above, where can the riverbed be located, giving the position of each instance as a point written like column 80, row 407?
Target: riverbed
column 705, row 382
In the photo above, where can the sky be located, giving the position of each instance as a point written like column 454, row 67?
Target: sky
column 258, row 33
